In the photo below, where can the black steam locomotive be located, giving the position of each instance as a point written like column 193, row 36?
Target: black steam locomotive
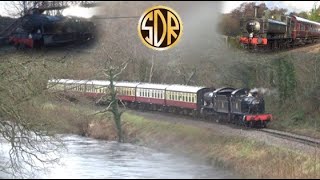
column 37, row 30
column 239, row 106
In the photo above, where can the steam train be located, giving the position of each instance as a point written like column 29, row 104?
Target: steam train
column 36, row 30
column 238, row 106
column 264, row 33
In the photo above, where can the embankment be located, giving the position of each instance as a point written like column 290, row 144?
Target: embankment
column 245, row 157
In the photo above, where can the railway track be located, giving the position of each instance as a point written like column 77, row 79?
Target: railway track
column 281, row 134
column 291, row 136
column 275, row 51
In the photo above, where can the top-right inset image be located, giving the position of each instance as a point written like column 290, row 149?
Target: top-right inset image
column 271, row 26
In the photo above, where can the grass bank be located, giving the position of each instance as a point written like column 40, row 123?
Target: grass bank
column 245, row 157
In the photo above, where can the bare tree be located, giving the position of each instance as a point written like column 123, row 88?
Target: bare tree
column 186, row 72
column 27, row 136
column 112, row 72
column 151, row 69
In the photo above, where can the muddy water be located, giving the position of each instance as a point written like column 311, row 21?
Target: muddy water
column 91, row 158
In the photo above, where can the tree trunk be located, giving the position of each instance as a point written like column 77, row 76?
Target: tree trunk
column 114, row 106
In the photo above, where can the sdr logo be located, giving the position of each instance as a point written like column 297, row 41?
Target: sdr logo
column 160, row 28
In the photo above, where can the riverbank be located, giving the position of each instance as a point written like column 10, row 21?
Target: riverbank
column 247, row 157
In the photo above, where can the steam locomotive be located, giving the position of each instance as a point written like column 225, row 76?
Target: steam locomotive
column 264, row 33
column 36, row 30
column 239, row 106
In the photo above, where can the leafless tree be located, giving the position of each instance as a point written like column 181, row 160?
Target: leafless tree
column 112, row 71
column 30, row 145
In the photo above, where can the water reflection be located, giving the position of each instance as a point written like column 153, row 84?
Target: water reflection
column 90, row 158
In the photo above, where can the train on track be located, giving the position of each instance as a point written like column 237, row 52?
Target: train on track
column 37, row 30
column 270, row 34
column 238, row 106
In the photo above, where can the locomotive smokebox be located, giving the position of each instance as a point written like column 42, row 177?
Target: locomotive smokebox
column 253, row 26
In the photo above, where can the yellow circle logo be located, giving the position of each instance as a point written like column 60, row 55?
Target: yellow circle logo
column 160, row 28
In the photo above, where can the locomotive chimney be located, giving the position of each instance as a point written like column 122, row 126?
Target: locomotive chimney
column 256, row 11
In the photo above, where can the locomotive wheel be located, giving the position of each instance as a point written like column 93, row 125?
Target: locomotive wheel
column 246, row 124
column 251, row 125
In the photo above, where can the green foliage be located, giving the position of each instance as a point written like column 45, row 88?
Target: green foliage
column 298, row 116
column 315, row 14
column 284, row 75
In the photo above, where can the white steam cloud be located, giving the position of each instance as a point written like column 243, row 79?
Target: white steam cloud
column 264, row 91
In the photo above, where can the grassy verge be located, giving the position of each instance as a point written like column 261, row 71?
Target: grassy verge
column 246, row 157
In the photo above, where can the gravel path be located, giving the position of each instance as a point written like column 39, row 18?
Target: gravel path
column 232, row 130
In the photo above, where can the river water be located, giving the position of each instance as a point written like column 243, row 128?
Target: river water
column 90, row 158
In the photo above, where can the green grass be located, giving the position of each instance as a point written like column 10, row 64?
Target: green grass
column 246, row 157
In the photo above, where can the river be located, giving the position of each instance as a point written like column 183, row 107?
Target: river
column 91, row 158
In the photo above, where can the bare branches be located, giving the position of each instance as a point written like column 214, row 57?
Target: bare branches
column 30, row 145
column 151, row 70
